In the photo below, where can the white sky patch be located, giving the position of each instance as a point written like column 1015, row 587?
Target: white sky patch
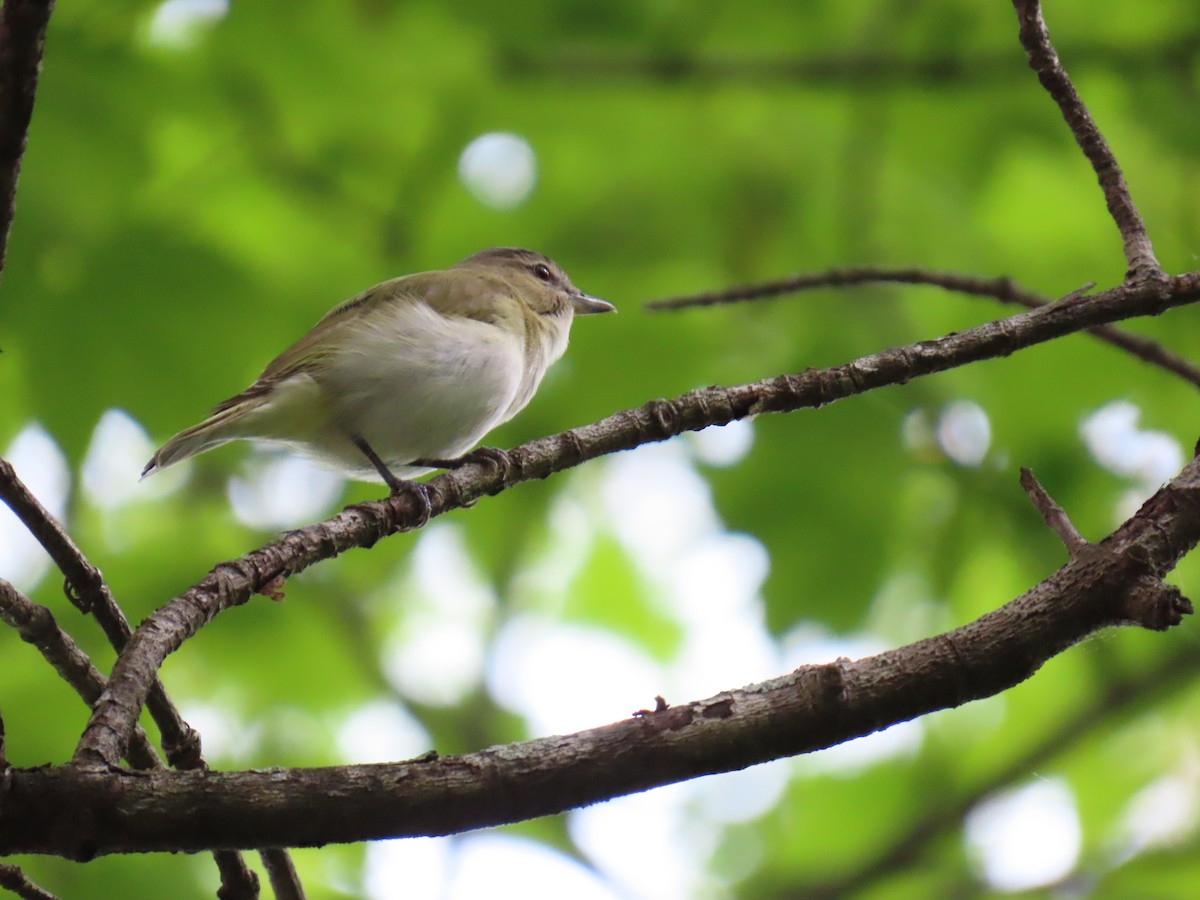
column 227, row 737
column 42, row 467
column 650, row 844
column 179, row 24
column 467, row 868
column 1162, row 814
column 721, row 446
column 112, row 468
column 564, row 678
column 278, row 490
column 1148, row 458
column 657, row 503
column 571, row 532
column 964, row 432
column 499, row 169
column 1026, row 837
column 435, row 654
column 381, row 731
column 1114, row 440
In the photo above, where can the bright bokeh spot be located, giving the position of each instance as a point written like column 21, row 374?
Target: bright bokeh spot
column 435, row 654
column 499, row 169
column 468, row 868
column 1114, row 440
column 649, row 844
column 278, row 490
column 119, row 449
column 178, row 24
column 1165, row 813
column 722, row 445
column 379, row 732
column 964, row 432
column 565, row 678
column 1027, row 837
column 42, row 467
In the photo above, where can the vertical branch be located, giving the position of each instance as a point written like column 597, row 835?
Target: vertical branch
column 22, row 39
column 1043, row 59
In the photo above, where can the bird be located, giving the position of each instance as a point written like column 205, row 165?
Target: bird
column 408, row 375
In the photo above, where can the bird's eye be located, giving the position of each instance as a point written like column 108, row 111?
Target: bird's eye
column 543, row 273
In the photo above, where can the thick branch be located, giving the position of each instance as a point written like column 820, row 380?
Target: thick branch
column 233, row 583
column 1043, row 59
column 22, row 39
column 82, row 811
column 1003, row 289
column 943, row 815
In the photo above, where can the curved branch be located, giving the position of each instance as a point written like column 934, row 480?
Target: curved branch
column 81, row 811
column 1044, row 61
column 233, row 583
column 1003, row 289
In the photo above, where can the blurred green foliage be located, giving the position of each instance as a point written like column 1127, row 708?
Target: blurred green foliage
column 186, row 210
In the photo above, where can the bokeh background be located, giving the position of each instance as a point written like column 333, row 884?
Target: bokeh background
column 204, row 179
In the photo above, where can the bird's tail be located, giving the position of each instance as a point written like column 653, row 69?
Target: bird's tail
column 219, row 428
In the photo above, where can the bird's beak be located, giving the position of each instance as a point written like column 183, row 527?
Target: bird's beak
column 586, row 305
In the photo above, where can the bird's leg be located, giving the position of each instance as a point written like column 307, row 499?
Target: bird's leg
column 492, row 455
column 397, row 485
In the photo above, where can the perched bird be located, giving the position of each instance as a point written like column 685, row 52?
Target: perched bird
column 408, row 375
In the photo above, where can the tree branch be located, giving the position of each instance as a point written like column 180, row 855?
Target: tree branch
column 1167, row 674
column 22, row 40
column 1043, row 59
column 81, row 811
column 233, row 583
column 1055, row 516
column 1003, row 289
column 13, row 879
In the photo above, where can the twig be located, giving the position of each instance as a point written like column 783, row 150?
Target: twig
column 281, row 872
column 1003, row 289
column 861, row 67
column 22, row 39
column 1053, row 514
column 1044, row 61
column 13, row 879
column 233, row 583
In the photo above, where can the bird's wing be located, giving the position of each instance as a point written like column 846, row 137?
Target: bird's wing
column 468, row 295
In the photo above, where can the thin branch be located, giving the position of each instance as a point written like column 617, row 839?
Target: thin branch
column 36, row 625
column 1043, row 59
column 13, row 879
column 86, row 587
column 1003, row 289
column 281, row 872
column 851, row 69
column 233, row 583
column 79, row 811
column 22, row 40
column 1054, row 515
